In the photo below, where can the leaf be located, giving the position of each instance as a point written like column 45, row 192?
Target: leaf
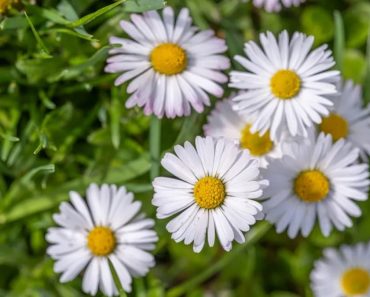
column 357, row 22
column 354, row 66
column 69, row 12
column 39, row 70
column 92, row 16
column 318, row 22
column 40, row 43
column 36, row 201
column 74, row 71
column 143, row 5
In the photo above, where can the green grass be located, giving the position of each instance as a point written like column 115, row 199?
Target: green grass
column 63, row 125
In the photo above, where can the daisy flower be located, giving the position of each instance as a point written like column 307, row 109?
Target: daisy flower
column 316, row 180
column 348, row 119
column 107, row 228
column 343, row 273
column 171, row 65
column 225, row 122
column 213, row 191
column 285, row 83
column 276, row 5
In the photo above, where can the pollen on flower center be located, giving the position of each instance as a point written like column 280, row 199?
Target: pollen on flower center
column 256, row 144
column 209, row 192
column 311, row 186
column 101, row 241
column 285, row 84
column 168, row 59
column 335, row 125
column 355, row 281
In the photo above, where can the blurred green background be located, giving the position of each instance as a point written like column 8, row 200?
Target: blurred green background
column 63, row 125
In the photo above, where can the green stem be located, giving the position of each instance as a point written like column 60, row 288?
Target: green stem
column 117, row 282
column 155, row 146
column 339, row 40
column 367, row 78
column 252, row 237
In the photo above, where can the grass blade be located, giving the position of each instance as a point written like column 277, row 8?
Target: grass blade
column 40, row 43
column 92, row 16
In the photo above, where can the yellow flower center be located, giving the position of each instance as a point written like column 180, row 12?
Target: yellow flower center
column 168, row 59
column 209, row 192
column 335, row 125
column 311, row 186
column 355, row 282
column 6, row 4
column 285, row 84
column 256, row 144
column 101, row 241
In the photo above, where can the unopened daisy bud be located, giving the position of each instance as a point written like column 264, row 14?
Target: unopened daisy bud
column 286, row 84
column 348, row 119
column 276, row 5
column 106, row 228
column 172, row 66
column 317, row 180
column 225, row 122
column 342, row 273
column 213, row 192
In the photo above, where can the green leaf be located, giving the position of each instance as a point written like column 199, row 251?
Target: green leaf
column 69, row 12
column 76, row 70
column 318, row 22
column 354, row 66
column 39, row 70
column 357, row 22
column 92, row 16
column 40, row 43
column 143, row 5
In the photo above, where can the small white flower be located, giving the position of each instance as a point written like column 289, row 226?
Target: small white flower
column 213, row 191
column 285, row 83
column 276, row 5
column 343, row 273
column 319, row 180
column 225, row 122
column 171, row 64
column 348, row 119
column 106, row 228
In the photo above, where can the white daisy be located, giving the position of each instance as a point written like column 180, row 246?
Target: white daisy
column 171, row 64
column 213, row 190
column 107, row 228
column 225, row 122
column 276, row 5
column 285, row 83
column 348, row 119
column 318, row 180
column 343, row 273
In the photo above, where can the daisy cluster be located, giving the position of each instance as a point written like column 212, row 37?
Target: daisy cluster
column 290, row 146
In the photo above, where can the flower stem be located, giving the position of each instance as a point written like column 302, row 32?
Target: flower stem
column 155, row 146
